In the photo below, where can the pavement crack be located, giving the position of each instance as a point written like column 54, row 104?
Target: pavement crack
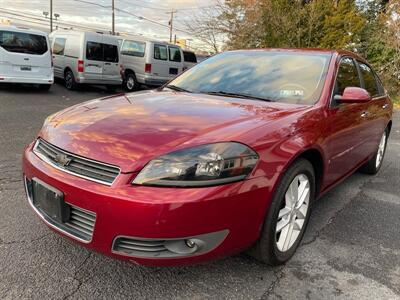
column 279, row 274
column 80, row 281
column 2, row 242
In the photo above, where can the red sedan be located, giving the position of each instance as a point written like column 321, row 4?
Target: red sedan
column 228, row 156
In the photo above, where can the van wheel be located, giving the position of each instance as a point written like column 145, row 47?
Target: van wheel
column 131, row 83
column 44, row 87
column 69, row 80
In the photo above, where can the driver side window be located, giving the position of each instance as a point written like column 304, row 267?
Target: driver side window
column 347, row 76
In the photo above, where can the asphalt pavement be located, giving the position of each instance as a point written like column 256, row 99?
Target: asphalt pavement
column 351, row 248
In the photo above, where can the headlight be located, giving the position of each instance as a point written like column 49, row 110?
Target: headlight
column 205, row 165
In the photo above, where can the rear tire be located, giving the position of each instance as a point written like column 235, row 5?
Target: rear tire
column 288, row 215
column 130, row 83
column 69, row 80
column 44, row 87
column 375, row 163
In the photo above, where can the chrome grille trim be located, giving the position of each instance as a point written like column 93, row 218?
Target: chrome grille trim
column 82, row 221
column 79, row 166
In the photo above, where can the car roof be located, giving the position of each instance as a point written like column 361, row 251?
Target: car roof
column 338, row 52
column 22, row 29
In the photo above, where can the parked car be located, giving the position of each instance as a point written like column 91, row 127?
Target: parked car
column 189, row 59
column 149, row 62
column 228, row 156
column 86, row 58
column 25, row 57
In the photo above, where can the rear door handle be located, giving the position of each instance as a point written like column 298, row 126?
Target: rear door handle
column 364, row 114
column 385, row 106
column 108, row 64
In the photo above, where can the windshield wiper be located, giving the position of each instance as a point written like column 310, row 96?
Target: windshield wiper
column 177, row 88
column 237, row 95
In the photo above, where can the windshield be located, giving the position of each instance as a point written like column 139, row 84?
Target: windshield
column 293, row 77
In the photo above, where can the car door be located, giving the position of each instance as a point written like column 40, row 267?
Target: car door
column 111, row 69
column 377, row 108
column 345, row 125
column 58, row 56
column 94, row 59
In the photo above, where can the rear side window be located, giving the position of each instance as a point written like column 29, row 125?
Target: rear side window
column 20, row 42
column 160, row 52
column 94, row 51
column 369, row 80
column 189, row 57
column 174, row 54
column 133, row 48
column 59, row 46
column 110, row 53
column 347, row 76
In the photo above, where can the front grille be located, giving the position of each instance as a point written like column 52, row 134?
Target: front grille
column 135, row 247
column 82, row 222
column 76, row 165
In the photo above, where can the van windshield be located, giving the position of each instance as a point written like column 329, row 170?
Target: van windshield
column 292, row 77
column 20, row 42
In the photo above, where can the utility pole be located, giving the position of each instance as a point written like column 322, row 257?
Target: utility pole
column 51, row 15
column 170, row 23
column 113, row 17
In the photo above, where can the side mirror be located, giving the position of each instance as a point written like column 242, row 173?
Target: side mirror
column 354, row 95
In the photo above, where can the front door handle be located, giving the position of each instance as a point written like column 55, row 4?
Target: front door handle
column 364, row 114
column 385, row 106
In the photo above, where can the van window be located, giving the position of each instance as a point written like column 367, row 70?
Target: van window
column 20, row 42
column 110, row 53
column 94, row 51
column 133, row 48
column 369, row 80
column 160, row 52
column 174, row 54
column 189, row 57
column 59, row 46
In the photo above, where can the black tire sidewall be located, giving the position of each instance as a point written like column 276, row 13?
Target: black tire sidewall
column 269, row 249
column 73, row 85
column 136, row 84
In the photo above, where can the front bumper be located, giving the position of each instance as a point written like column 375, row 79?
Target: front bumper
column 227, row 218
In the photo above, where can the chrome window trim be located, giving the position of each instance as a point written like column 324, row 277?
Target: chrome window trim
column 45, row 159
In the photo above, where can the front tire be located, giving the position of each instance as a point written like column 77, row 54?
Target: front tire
column 375, row 163
column 287, row 216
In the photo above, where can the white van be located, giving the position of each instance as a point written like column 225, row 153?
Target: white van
column 25, row 57
column 149, row 62
column 86, row 58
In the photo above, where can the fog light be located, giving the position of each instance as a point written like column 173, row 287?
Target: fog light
column 190, row 243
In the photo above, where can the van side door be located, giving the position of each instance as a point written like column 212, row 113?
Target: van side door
column 176, row 60
column 58, row 56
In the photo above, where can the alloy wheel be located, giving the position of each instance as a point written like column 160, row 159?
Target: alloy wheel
column 130, row 83
column 292, row 215
column 68, row 80
column 381, row 150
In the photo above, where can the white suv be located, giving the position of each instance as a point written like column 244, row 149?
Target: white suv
column 25, row 57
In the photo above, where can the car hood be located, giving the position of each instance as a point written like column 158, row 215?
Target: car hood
column 129, row 130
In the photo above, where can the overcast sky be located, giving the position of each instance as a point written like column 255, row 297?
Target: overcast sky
column 78, row 12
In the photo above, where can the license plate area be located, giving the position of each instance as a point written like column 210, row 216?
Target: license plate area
column 173, row 71
column 50, row 201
